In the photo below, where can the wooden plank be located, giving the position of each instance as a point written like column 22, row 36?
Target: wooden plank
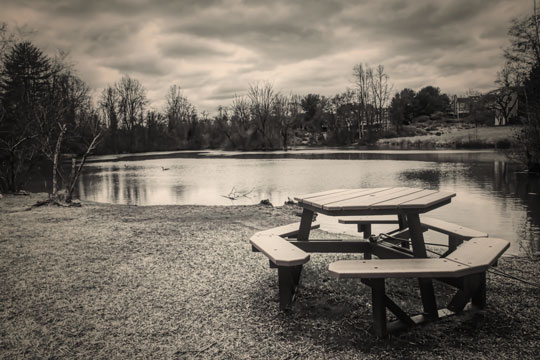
column 390, row 251
column 479, row 252
column 286, row 230
column 381, row 219
column 393, row 203
column 319, row 198
column 345, row 195
column 427, row 201
column 301, row 198
column 397, row 268
column 368, row 202
column 334, row 246
column 452, row 229
column 279, row 250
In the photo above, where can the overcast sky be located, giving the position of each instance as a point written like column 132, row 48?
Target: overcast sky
column 214, row 49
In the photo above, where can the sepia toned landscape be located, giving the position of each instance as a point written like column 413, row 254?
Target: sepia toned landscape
column 269, row 180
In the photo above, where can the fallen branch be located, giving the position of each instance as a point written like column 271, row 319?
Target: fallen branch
column 234, row 195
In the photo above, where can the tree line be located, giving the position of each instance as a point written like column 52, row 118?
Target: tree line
column 46, row 111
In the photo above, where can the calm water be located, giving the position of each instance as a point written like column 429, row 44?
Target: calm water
column 491, row 195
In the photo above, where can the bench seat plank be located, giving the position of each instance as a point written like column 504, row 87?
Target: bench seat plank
column 396, row 268
column 286, row 230
column 452, row 229
column 382, row 219
column 458, row 231
column 473, row 256
column 280, row 251
column 479, row 252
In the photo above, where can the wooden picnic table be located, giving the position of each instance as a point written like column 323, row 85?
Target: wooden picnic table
column 463, row 266
column 406, row 203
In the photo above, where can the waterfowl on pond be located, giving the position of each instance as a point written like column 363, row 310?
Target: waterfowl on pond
column 164, row 168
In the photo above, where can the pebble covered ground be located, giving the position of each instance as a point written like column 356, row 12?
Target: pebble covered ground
column 115, row 281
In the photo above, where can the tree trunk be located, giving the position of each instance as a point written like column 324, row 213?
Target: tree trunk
column 56, row 155
column 75, row 177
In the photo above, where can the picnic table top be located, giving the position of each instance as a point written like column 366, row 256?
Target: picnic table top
column 374, row 200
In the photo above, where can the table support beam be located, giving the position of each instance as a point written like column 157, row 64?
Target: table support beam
column 305, row 225
column 419, row 251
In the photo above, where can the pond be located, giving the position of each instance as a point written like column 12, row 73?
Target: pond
column 492, row 195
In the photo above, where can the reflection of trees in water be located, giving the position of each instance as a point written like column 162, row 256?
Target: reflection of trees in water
column 504, row 179
column 424, row 178
column 111, row 185
column 499, row 177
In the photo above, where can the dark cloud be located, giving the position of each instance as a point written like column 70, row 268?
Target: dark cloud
column 215, row 48
column 191, row 49
column 136, row 66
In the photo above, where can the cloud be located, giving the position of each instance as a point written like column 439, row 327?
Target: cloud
column 214, row 49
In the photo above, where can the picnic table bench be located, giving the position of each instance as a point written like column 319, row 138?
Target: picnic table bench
column 284, row 256
column 464, row 265
column 456, row 233
column 469, row 261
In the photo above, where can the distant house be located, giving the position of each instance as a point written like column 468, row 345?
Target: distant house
column 503, row 103
column 461, row 106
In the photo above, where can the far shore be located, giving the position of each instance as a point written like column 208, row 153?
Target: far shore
column 452, row 137
column 117, row 281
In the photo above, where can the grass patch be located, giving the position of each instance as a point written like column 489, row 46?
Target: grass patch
column 106, row 281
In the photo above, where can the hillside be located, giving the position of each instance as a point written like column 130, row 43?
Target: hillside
column 455, row 136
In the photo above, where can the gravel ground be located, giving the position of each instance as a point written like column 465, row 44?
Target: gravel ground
column 113, row 281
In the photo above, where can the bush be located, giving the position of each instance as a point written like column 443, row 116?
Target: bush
column 408, row 131
column 472, row 144
column 421, row 118
column 389, row 134
column 503, row 144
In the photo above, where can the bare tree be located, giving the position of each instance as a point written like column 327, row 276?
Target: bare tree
column 241, row 113
column 373, row 92
column 524, row 50
column 381, row 93
column 286, row 112
column 263, row 98
column 178, row 109
column 506, row 96
column 108, row 103
column 132, row 101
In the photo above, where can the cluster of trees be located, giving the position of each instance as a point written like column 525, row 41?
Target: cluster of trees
column 45, row 110
column 407, row 105
column 521, row 73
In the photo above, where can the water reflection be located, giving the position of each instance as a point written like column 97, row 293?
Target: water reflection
column 491, row 196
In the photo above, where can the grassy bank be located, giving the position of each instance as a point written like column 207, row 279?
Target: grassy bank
column 456, row 137
column 107, row 281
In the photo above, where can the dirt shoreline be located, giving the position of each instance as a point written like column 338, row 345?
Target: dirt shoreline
column 116, row 281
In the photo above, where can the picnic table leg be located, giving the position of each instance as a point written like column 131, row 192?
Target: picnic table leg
column 379, row 307
column 288, row 280
column 305, row 225
column 365, row 229
column 419, row 251
column 402, row 221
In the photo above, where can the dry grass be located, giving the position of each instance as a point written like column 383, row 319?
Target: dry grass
column 106, row 281
column 452, row 137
